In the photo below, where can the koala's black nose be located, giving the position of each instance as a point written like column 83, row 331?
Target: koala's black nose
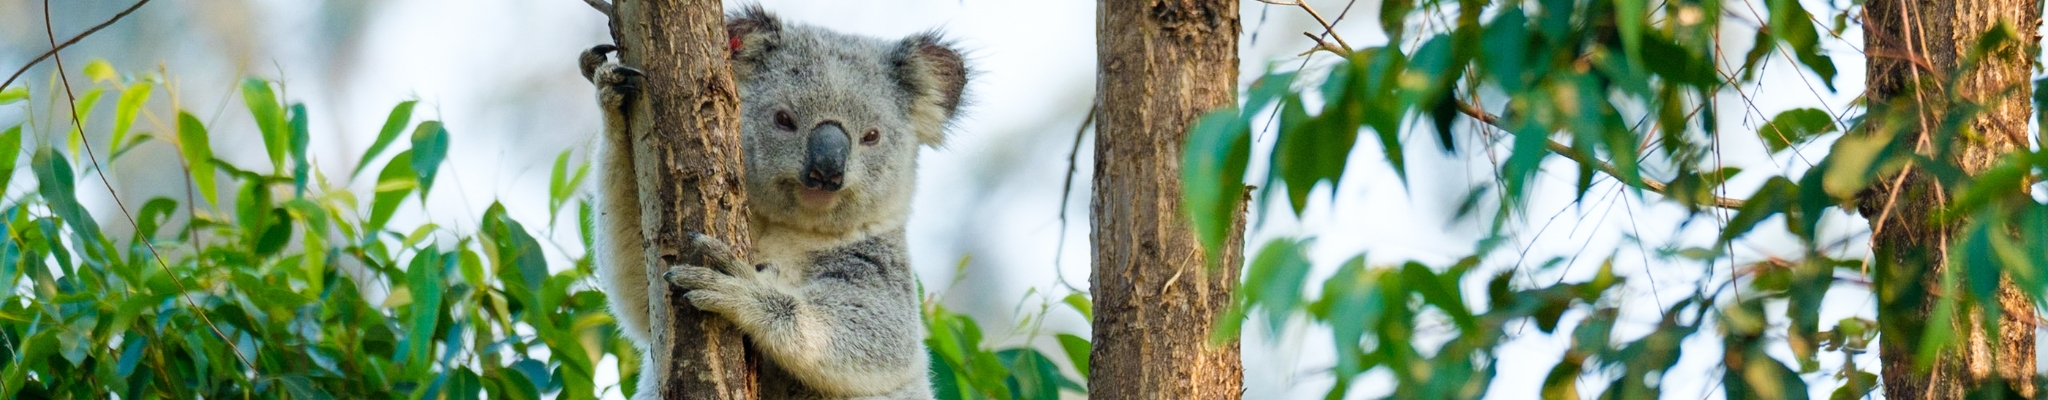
column 825, row 162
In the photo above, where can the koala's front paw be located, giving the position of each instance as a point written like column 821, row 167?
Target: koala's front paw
column 728, row 286
column 593, row 57
column 617, row 83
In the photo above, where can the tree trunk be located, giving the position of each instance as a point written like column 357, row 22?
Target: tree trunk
column 1162, row 64
column 686, row 154
column 1905, row 38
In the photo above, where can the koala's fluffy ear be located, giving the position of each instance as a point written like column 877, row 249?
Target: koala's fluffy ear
column 753, row 32
column 933, row 74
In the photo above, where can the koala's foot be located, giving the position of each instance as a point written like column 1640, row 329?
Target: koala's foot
column 617, row 83
column 730, row 287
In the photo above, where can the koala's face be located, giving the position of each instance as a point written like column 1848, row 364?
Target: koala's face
column 831, row 123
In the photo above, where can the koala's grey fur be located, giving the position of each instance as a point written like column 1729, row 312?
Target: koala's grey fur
column 833, row 304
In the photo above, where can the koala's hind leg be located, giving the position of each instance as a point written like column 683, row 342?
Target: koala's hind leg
column 621, row 259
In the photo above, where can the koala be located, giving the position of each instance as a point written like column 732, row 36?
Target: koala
column 831, row 125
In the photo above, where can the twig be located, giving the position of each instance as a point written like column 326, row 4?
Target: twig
column 1562, row 150
column 1066, row 192
column 1327, row 28
column 601, row 6
column 1325, row 46
column 67, row 43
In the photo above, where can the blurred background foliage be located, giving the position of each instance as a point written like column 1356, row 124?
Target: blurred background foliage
column 278, row 281
column 1630, row 94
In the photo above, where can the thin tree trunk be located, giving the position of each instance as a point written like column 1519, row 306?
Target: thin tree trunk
column 686, row 154
column 1162, row 64
column 1904, row 39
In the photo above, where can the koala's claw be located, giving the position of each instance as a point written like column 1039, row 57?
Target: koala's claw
column 691, row 277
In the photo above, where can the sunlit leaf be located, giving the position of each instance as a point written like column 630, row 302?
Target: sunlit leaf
column 401, row 115
column 263, row 105
column 13, row 94
column 10, row 152
column 100, row 71
column 197, row 149
column 393, row 184
column 131, row 102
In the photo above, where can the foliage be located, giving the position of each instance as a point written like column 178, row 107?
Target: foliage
column 1573, row 79
column 292, row 287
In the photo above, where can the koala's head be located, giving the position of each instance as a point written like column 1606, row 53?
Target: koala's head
column 832, row 122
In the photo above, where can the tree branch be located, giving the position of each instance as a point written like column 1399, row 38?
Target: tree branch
column 1568, row 152
column 68, row 43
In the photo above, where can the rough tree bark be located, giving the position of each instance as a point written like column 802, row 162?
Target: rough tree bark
column 686, row 154
column 1917, row 43
column 1162, row 64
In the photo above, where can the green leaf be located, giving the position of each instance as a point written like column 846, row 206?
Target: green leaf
column 124, row 112
column 393, row 184
column 1218, row 147
column 1436, row 291
column 1274, row 280
column 1793, row 24
column 195, row 146
column 53, row 176
column 1351, row 303
column 1771, row 199
column 424, row 282
column 100, row 71
column 270, row 120
column 1795, row 126
column 1506, row 41
column 401, row 115
column 83, row 107
column 301, row 168
column 1081, row 304
column 152, row 216
column 1077, row 349
column 2040, row 103
column 1855, row 387
column 518, row 255
column 1857, row 158
column 10, row 152
column 13, row 94
column 429, row 147
column 1628, row 16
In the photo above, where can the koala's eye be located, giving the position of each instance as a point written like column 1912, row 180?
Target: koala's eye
column 871, row 137
column 784, row 121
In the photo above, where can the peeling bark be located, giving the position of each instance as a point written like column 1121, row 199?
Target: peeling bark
column 1162, row 64
column 686, row 155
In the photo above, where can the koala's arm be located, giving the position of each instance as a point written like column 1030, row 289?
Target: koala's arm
column 620, row 256
column 852, row 328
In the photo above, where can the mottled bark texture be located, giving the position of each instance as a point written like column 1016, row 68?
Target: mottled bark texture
column 1914, row 47
column 1162, row 64
column 686, row 154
